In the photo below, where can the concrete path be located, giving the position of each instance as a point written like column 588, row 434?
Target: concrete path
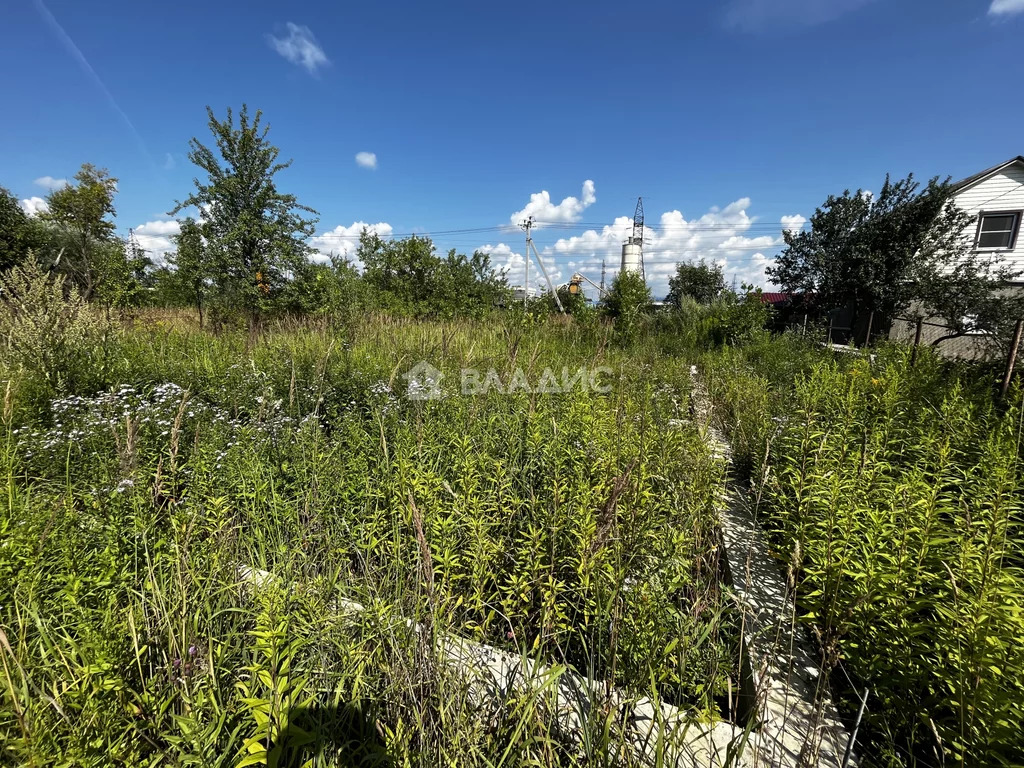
column 798, row 724
column 655, row 733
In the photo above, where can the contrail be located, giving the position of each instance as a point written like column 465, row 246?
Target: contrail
column 73, row 49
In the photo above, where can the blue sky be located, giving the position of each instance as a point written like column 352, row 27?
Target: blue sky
column 725, row 116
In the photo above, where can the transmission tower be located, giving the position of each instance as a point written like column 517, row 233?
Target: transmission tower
column 633, row 248
column 638, row 232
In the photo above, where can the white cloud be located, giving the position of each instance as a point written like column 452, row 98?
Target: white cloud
column 154, row 237
column 366, row 159
column 1005, row 7
column 48, row 182
column 567, row 211
column 171, row 227
column 168, row 161
column 343, row 241
column 504, row 258
column 300, row 47
column 763, row 15
column 724, row 236
column 793, row 223
column 33, row 206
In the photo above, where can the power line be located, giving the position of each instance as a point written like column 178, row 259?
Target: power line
column 681, row 228
column 765, row 229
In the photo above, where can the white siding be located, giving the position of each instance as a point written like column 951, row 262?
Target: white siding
column 1003, row 191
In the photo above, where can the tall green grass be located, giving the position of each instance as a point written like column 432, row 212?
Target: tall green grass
column 576, row 529
column 893, row 497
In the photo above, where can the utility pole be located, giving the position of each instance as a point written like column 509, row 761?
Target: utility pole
column 603, row 265
column 527, row 225
column 1011, row 358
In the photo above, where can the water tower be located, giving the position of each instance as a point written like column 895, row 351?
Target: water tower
column 633, row 248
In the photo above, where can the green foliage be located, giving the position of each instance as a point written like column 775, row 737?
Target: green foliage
column 701, row 282
column 334, row 289
column 254, row 235
column 80, row 240
column 122, row 270
column 894, row 496
column 574, row 529
column 471, row 286
column 629, row 296
column 730, row 319
column 574, row 304
column 48, row 332
column 274, row 695
column 628, row 302
column 408, row 277
column 189, row 278
column 17, row 235
column 892, row 253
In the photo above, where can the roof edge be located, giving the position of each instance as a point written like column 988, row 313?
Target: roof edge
column 971, row 180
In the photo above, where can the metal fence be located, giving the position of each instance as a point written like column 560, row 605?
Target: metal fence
column 976, row 347
column 917, row 332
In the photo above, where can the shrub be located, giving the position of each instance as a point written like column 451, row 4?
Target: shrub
column 896, row 492
column 628, row 302
column 730, row 319
column 49, row 331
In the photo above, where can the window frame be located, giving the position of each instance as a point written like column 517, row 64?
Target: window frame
column 1017, row 214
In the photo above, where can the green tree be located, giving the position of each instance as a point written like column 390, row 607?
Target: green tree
column 17, row 235
column 905, row 250
column 575, row 304
column 81, row 227
column 628, row 302
column 255, row 236
column 334, row 288
column 189, row 276
column 701, row 281
column 121, row 269
column 470, row 286
column 629, row 296
column 403, row 273
column 408, row 276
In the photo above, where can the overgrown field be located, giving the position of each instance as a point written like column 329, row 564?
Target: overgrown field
column 149, row 465
column 893, row 497
column 575, row 528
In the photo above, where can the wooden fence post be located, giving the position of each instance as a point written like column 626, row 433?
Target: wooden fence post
column 1011, row 358
column 917, row 341
column 871, row 321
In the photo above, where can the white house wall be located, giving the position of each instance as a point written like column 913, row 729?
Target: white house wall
column 1002, row 191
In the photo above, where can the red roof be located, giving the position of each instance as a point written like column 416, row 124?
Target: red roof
column 775, row 298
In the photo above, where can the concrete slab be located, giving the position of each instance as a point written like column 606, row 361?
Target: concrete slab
column 798, row 724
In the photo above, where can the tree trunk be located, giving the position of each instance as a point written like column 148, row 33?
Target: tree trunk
column 199, row 307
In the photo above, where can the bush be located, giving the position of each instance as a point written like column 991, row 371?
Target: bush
column 894, row 494
column 628, row 303
column 49, row 331
column 730, row 319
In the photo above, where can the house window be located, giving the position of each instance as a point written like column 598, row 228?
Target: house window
column 999, row 229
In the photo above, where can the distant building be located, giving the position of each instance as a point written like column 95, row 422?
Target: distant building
column 776, row 299
column 518, row 294
column 996, row 198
